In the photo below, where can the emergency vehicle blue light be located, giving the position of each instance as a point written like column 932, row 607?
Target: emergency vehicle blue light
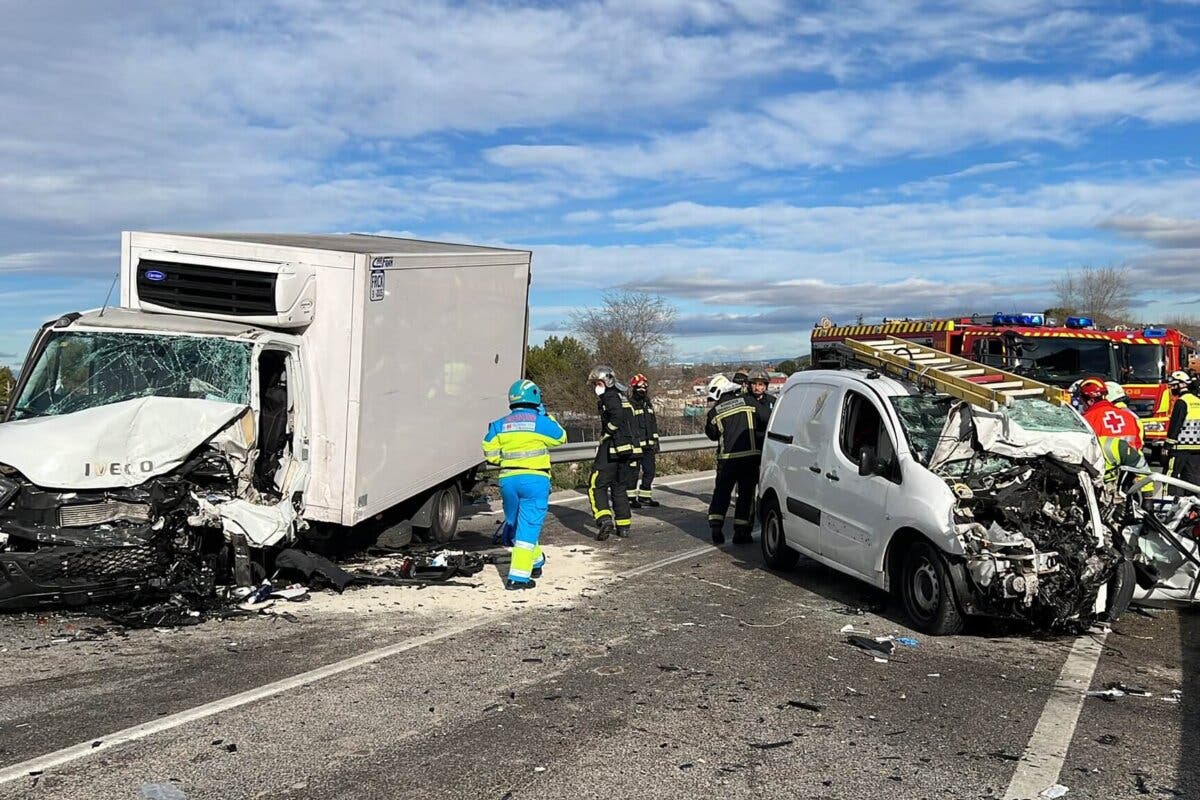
column 1002, row 319
column 1080, row 322
column 1031, row 319
column 1154, row 332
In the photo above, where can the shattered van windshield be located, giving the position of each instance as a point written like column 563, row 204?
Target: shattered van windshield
column 1033, row 414
column 78, row 370
column 923, row 416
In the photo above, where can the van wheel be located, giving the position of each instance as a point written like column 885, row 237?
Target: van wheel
column 927, row 591
column 1120, row 590
column 775, row 550
column 445, row 506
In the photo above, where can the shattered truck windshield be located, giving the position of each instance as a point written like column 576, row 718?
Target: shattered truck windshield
column 78, row 370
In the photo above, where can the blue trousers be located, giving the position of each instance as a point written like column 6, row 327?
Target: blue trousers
column 526, row 498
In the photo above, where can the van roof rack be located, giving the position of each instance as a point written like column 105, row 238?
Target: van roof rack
column 970, row 381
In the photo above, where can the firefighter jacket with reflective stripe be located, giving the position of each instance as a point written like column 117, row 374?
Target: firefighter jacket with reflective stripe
column 765, row 404
column 645, row 422
column 1110, row 421
column 617, row 427
column 731, row 424
column 520, row 441
column 1183, row 432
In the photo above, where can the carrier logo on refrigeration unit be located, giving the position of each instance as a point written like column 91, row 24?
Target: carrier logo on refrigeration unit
column 157, row 276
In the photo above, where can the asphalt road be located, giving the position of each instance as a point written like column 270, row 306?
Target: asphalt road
column 665, row 669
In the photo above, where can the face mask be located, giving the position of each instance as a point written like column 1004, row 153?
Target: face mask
column 599, row 390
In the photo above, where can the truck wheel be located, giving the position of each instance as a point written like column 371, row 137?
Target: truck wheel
column 775, row 550
column 927, row 591
column 445, row 505
column 1120, row 590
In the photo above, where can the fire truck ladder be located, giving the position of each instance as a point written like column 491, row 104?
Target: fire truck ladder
column 975, row 383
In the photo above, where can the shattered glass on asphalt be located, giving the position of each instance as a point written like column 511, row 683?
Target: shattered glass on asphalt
column 80, row 370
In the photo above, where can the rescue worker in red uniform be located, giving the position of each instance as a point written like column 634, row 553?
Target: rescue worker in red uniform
column 1106, row 419
column 615, row 457
column 1183, row 431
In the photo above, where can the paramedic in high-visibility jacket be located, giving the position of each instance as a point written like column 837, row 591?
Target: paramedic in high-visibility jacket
column 520, row 443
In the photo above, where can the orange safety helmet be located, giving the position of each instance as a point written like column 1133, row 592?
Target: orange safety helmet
column 638, row 382
column 1093, row 389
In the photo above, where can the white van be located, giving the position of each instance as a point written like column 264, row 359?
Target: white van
column 958, row 510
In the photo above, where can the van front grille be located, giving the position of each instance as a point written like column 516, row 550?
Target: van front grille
column 214, row 290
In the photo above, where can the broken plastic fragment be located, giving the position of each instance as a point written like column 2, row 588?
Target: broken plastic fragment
column 1051, row 792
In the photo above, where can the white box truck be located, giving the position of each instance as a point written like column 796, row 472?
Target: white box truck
column 260, row 383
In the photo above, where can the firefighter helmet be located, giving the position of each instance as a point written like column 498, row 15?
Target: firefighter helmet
column 1116, row 392
column 1093, row 389
column 603, row 373
column 639, row 382
column 760, row 376
column 1179, row 379
column 741, row 377
column 720, row 385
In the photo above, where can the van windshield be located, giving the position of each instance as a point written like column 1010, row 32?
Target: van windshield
column 78, row 370
column 922, row 416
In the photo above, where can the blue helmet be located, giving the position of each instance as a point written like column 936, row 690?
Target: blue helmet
column 524, row 393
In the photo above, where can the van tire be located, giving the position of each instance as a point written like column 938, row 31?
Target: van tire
column 775, row 549
column 1120, row 590
column 927, row 591
column 445, row 504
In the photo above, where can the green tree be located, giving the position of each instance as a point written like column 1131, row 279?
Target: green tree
column 560, row 367
column 786, row 367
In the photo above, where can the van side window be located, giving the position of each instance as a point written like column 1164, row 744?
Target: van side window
column 786, row 419
column 862, row 426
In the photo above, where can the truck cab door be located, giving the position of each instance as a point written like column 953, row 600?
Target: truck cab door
column 861, row 474
column 281, row 406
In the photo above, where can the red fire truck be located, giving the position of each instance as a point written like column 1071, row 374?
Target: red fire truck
column 1138, row 359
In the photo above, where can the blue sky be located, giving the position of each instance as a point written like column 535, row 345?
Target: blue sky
column 759, row 163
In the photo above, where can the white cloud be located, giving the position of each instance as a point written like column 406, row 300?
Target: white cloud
column 848, row 126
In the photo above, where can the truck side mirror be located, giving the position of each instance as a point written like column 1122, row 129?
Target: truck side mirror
column 868, row 461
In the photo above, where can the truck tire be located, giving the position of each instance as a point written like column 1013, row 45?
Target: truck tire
column 927, row 592
column 445, row 504
column 1120, row 591
column 775, row 550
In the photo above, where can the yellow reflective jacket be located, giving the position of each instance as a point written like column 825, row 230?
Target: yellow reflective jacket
column 520, row 442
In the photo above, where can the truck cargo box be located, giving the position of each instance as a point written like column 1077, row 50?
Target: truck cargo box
column 409, row 346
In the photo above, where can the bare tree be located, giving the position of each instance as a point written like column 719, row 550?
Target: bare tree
column 631, row 331
column 1102, row 293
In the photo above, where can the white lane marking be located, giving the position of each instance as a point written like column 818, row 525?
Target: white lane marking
column 99, row 744
column 1043, row 759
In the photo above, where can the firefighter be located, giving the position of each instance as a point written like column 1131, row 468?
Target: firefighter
column 1108, row 421
column 1183, row 431
column 615, row 456
column 520, row 443
column 731, row 424
column 646, row 428
column 742, row 379
column 760, row 381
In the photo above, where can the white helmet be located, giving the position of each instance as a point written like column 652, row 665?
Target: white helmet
column 1179, row 379
column 720, row 385
column 1116, row 392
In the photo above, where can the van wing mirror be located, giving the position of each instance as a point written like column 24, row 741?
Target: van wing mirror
column 868, row 461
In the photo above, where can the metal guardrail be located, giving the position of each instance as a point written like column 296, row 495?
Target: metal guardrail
column 585, row 451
